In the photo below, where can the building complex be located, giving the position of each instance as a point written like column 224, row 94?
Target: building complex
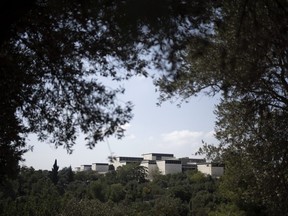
column 162, row 163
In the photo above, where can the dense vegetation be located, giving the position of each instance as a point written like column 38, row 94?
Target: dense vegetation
column 244, row 60
column 121, row 192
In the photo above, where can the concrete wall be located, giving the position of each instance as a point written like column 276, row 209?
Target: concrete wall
column 204, row 168
column 166, row 168
column 161, row 167
column 173, row 168
column 151, row 168
column 210, row 169
column 101, row 168
column 147, row 157
column 85, row 167
column 117, row 164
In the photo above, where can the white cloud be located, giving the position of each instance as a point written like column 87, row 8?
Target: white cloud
column 181, row 138
column 210, row 135
column 184, row 142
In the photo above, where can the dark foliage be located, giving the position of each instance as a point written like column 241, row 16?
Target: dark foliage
column 59, row 59
column 34, row 193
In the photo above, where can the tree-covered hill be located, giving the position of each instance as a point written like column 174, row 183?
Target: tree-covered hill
column 88, row 193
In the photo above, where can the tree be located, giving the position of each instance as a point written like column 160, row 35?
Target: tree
column 131, row 172
column 116, row 193
column 55, row 57
column 32, row 193
column 98, row 190
column 254, row 147
column 169, row 206
column 65, row 177
column 244, row 58
column 54, row 173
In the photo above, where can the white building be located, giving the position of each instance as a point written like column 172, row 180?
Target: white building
column 160, row 162
column 169, row 166
column 165, row 163
column 190, row 164
column 213, row 169
column 158, row 156
column 100, row 167
column 120, row 161
column 151, row 167
column 85, row 167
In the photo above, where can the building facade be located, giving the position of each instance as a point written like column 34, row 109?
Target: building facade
column 212, row 169
column 100, row 167
column 121, row 161
column 85, row 167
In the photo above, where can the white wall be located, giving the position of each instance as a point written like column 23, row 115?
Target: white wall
column 100, row 167
column 85, row 167
column 161, row 166
column 209, row 169
column 204, row 168
column 117, row 164
column 147, row 157
column 165, row 168
column 150, row 168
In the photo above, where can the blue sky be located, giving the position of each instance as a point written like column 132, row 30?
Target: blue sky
column 164, row 129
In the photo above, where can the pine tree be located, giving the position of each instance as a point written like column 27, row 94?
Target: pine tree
column 54, row 173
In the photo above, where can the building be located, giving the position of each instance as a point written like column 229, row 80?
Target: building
column 120, row 161
column 151, row 167
column 161, row 163
column 100, row 167
column 157, row 156
column 169, row 166
column 85, row 167
column 190, row 164
column 213, row 169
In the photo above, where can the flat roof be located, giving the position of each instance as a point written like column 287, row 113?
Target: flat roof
column 130, row 158
column 159, row 154
column 101, row 163
column 213, row 164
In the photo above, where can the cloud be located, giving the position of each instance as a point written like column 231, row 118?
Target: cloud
column 186, row 137
column 181, row 138
column 210, row 135
column 185, row 142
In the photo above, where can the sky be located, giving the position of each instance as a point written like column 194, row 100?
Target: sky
column 153, row 129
